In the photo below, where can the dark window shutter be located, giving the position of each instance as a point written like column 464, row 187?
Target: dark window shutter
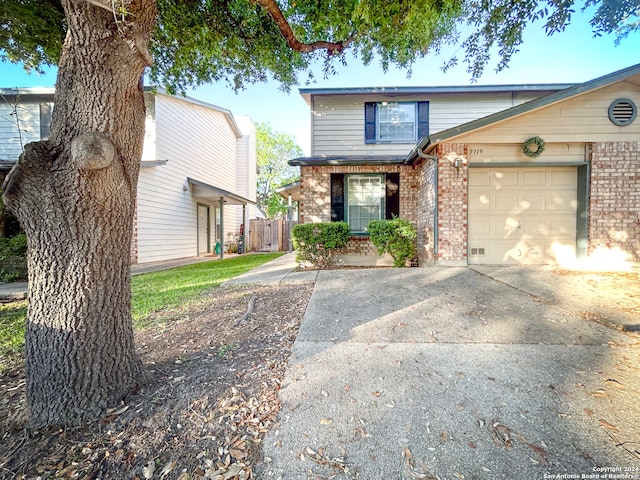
column 423, row 119
column 337, row 197
column 45, row 120
column 392, row 200
column 369, row 122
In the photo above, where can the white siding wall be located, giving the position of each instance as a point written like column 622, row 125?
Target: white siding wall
column 149, row 151
column 246, row 178
column 28, row 116
column 337, row 121
column 200, row 143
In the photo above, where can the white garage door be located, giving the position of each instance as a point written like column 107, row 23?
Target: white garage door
column 522, row 215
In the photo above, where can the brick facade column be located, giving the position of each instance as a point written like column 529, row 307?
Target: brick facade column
column 614, row 197
column 452, row 204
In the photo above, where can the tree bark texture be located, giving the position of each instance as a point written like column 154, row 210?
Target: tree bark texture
column 74, row 195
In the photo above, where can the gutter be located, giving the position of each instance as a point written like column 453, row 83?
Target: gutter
column 418, row 152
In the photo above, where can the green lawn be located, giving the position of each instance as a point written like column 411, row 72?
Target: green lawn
column 12, row 317
column 171, row 288
column 151, row 292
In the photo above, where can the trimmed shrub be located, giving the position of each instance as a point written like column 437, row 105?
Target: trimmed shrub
column 13, row 258
column 395, row 237
column 319, row 243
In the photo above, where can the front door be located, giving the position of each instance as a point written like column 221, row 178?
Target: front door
column 204, row 244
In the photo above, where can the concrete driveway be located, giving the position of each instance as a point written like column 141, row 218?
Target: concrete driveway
column 456, row 373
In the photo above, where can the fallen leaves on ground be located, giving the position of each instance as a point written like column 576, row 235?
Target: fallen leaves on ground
column 211, row 399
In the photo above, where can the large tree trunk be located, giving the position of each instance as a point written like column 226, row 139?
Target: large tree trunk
column 74, row 195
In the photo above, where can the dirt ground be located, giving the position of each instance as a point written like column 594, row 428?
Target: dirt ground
column 215, row 375
column 212, row 397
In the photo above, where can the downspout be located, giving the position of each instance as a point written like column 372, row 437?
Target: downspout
column 421, row 154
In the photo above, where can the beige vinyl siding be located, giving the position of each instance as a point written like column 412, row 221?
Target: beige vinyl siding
column 486, row 154
column 198, row 142
column 28, row 116
column 583, row 118
column 338, row 120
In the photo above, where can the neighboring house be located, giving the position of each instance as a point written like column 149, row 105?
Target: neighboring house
column 197, row 176
column 450, row 160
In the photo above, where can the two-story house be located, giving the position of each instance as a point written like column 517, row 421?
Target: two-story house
column 197, row 182
column 504, row 174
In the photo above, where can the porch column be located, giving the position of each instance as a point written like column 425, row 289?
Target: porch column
column 244, row 228
column 221, row 227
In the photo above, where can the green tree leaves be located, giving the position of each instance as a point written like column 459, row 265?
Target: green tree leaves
column 274, row 149
column 243, row 41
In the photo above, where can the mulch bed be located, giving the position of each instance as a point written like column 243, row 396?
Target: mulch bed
column 215, row 373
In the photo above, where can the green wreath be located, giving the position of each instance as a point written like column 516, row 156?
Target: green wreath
column 533, row 147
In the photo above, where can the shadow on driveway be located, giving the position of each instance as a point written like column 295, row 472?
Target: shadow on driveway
column 449, row 373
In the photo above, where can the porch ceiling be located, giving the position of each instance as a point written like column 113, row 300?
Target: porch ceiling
column 204, row 190
column 292, row 189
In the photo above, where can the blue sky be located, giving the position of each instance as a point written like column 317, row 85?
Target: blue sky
column 571, row 56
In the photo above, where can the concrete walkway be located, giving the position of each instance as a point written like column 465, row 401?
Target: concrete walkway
column 18, row 290
column 280, row 270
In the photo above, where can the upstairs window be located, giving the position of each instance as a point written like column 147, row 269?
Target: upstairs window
column 396, row 122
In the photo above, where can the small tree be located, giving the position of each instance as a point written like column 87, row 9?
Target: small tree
column 274, row 149
column 395, row 237
column 319, row 243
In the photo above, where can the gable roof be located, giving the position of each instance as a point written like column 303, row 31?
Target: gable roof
column 428, row 144
column 46, row 94
column 307, row 93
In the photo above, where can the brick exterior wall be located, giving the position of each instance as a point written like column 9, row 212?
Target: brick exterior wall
column 426, row 212
column 315, row 185
column 614, row 197
column 614, row 201
column 452, row 204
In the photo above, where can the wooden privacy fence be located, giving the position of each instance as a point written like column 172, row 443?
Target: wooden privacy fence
column 269, row 235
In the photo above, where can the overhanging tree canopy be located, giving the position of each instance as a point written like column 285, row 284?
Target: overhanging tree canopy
column 75, row 192
column 247, row 41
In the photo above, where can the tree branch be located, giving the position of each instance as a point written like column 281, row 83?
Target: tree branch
column 105, row 4
column 273, row 9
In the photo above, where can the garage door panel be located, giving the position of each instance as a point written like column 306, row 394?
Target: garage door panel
column 561, row 178
column 562, row 201
column 536, row 178
column 481, row 202
column 505, row 202
column 482, row 226
column 562, row 226
column 505, row 178
column 534, row 202
column 522, row 216
column 479, row 177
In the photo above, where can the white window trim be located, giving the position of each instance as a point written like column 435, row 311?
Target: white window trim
column 415, row 123
column 381, row 214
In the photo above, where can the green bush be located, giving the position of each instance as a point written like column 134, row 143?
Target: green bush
column 319, row 243
column 13, row 258
column 395, row 237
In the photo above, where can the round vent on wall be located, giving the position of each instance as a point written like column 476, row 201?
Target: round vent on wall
column 622, row 111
